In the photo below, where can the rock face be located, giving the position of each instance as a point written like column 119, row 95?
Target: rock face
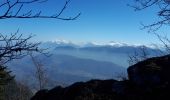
column 148, row 79
column 151, row 72
column 87, row 91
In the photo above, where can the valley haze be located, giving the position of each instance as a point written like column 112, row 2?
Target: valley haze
column 70, row 62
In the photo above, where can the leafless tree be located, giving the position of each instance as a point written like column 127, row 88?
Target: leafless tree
column 15, row 91
column 13, row 9
column 163, row 12
column 121, row 76
column 15, row 46
column 24, row 92
column 40, row 74
column 165, row 48
column 139, row 55
column 160, row 49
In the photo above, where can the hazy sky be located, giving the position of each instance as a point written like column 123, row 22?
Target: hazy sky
column 101, row 21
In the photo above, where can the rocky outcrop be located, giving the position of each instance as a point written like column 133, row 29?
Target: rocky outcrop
column 87, row 90
column 148, row 79
column 151, row 72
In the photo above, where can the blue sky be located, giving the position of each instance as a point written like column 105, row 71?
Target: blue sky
column 101, row 21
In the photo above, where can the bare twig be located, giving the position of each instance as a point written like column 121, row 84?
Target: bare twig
column 16, row 46
column 163, row 12
column 40, row 73
column 139, row 55
column 19, row 4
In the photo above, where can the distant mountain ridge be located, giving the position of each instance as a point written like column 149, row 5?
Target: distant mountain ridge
column 114, row 52
column 67, row 69
column 72, row 62
column 62, row 42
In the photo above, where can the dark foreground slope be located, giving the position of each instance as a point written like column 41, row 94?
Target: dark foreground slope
column 149, row 79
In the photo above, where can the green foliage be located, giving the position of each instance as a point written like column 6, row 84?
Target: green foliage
column 4, row 76
column 10, row 89
column 4, row 80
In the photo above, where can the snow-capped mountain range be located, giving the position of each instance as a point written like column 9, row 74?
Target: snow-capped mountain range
column 62, row 42
column 71, row 62
column 116, row 52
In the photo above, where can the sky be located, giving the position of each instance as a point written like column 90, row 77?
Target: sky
column 100, row 21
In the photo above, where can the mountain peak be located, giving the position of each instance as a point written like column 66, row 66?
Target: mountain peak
column 62, row 41
column 118, row 44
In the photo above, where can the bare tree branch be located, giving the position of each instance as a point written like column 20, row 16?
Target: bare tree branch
column 165, row 41
column 19, row 4
column 143, row 54
column 16, row 46
column 139, row 55
column 40, row 73
column 163, row 12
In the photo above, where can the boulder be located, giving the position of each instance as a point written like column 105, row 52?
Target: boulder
column 150, row 72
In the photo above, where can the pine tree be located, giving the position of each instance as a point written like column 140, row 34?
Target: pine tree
column 5, row 78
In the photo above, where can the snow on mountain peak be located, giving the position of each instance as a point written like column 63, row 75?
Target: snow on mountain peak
column 118, row 44
column 62, row 41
